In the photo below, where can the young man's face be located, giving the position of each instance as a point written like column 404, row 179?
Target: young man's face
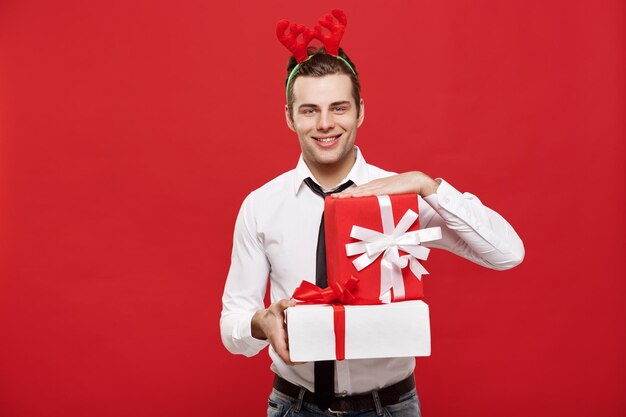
column 325, row 120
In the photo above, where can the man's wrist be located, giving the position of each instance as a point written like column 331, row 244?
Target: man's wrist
column 427, row 185
column 255, row 325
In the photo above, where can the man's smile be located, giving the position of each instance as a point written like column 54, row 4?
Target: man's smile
column 327, row 139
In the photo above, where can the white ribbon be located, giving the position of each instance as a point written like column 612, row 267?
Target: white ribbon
column 373, row 243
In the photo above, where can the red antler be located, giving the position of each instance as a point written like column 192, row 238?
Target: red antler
column 290, row 39
column 331, row 40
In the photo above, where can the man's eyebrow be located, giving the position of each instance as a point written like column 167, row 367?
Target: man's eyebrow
column 307, row 105
column 336, row 103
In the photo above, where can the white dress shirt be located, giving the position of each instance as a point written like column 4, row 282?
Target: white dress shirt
column 276, row 236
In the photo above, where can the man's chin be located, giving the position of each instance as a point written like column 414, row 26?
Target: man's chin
column 329, row 158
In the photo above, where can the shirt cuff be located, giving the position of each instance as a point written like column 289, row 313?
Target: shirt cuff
column 453, row 207
column 464, row 210
column 446, row 197
column 242, row 334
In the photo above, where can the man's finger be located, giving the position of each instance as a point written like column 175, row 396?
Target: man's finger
column 365, row 192
column 283, row 304
column 351, row 192
column 280, row 346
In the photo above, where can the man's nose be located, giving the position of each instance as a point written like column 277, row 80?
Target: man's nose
column 325, row 121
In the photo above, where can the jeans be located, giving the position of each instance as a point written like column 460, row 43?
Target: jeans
column 281, row 405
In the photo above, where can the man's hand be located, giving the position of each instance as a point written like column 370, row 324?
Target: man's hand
column 270, row 324
column 407, row 183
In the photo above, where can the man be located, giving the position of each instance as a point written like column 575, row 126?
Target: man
column 276, row 234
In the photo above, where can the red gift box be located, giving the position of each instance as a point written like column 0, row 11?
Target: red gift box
column 385, row 245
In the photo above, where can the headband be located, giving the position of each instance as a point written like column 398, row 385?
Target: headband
column 298, row 47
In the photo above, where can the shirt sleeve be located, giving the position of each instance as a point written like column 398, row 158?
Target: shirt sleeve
column 245, row 285
column 470, row 229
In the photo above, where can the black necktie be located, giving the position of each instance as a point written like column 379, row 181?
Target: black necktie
column 324, row 371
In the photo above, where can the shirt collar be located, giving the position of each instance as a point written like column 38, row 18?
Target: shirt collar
column 358, row 174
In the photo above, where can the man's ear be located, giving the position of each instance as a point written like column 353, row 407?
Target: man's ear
column 361, row 113
column 288, row 118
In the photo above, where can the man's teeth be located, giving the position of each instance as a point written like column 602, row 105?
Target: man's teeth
column 328, row 139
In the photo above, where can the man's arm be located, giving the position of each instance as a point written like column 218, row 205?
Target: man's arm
column 469, row 229
column 245, row 286
column 246, row 326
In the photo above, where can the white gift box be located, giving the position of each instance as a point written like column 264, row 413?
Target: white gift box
column 371, row 331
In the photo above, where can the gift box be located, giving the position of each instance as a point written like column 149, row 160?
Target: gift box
column 378, row 240
column 316, row 332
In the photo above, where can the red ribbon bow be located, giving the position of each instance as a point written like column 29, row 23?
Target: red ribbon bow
column 335, row 293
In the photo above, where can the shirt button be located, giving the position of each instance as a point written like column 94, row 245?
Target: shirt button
column 446, row 200
column 477, row 227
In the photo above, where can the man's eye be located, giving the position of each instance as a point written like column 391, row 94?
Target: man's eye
column 308, row 111
column 339, row 109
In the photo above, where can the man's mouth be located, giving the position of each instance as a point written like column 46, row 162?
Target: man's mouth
column 327, row 139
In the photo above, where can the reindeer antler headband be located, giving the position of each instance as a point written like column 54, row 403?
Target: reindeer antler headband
column 288, row 34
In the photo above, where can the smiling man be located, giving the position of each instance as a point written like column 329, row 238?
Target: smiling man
column 325, row 117
column 276, row 236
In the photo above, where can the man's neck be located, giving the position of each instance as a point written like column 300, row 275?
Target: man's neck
column 329, row 176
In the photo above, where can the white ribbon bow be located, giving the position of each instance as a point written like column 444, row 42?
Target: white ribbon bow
column 373, row 243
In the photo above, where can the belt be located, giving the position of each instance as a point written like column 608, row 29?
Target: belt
column 359, row 402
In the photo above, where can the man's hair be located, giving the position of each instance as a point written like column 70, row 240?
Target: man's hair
column 319, row 65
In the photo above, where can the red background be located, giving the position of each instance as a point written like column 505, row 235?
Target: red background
column 131, row 132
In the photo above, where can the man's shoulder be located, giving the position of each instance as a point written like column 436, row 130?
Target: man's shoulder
column 375, row 172
column 276, row 188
